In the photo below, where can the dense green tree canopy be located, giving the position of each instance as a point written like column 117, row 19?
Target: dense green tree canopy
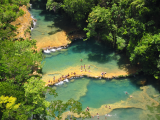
column 18, row 59
column 9, row 11
column 124, row 23
column 129, row 25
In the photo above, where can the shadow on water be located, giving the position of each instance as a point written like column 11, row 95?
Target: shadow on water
column 53, row 32
column 60, row 22
column 95, row 50
column 38, row 4
column 124, row 63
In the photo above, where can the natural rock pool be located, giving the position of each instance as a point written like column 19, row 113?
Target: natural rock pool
column 95, row 93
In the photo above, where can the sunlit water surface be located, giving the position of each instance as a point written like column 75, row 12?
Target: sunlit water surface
column 90, row 92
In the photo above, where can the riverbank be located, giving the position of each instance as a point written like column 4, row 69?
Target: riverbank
column 53, row 31
column 139, row 100
column 91, row 71
column 23, row 24
column 58, row 39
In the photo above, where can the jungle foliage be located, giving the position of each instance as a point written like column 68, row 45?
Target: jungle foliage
column 129, row 25
column 22, row 93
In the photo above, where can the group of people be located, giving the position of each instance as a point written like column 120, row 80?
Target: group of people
column 109, row 107
column 66, row 76
column 61, row 78
column 105, row 116
column 127, row 94
column 84, row 67
column 50, row 81
column 87, row 109
column 103, row 74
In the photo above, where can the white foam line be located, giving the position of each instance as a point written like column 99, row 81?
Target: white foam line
column 46, row 51
column 66, row 80
column 30, row 5
column 51, row 50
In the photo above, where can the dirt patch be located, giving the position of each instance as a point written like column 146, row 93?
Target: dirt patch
column 23, row 24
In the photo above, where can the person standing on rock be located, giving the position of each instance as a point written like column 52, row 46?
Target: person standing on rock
column 89, row 67
column 54, row 78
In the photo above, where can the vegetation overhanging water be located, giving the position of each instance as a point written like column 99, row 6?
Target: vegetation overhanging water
column 131, row 27
column 91, row 92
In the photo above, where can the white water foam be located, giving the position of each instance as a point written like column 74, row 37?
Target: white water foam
column 46, row 51
column 59, row 48
column 61, row 82
column 66, row 80
column 30, row 5
column 51, row 50
column 34, row 22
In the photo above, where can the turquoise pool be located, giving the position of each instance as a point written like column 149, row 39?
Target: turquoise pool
column 90, row 92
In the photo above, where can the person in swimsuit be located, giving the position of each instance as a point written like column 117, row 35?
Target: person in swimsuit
column 97, row 116
column 54, row 78
column 87, row 108
column 102, row 74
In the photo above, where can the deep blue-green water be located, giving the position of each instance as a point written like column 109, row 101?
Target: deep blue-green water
column 94, row 93
column 90, row 92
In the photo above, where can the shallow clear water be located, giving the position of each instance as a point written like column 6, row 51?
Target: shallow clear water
column 94, row 93
column 44, row 26
column 90, row 92
column 90, row 52
column 119, row 114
